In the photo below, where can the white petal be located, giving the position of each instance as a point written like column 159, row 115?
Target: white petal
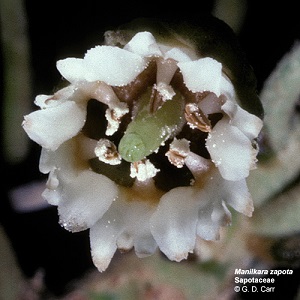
column 227, row 88
column 64, row 159
column 86, row 146
column 215, row 214
column 112, row 65
column 62, row 165
column 125, row 242
column 237, row 195
column 103, row 236
column 72, row 69
column 136, row 227
column 231, row 151
column 124, row 225
column 70, row 92
column 51, row 196
column 206, row 228
column 204, row 74
column 144, row 44
column 211, row 104
column 85, row 199
column 52, row 126
column 40, row 100
column 177, row 54
column 173, row 224
column 145, row 245
column 53, row 190
column 249, row 124
column 45, row 165
column 221, row 214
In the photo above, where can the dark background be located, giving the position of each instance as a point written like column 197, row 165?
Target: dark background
column 60, row 29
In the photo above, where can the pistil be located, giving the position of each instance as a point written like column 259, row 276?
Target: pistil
column 147, row 132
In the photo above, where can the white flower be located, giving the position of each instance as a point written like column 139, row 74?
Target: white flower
column 147, row 147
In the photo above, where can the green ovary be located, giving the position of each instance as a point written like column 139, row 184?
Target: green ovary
column 148, row 131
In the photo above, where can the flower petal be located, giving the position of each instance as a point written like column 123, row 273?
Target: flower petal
column 221, row 215
column 124, row 225
column 143, row 44
column 113, row 65
column 206, row 228
column 103, row 236
column 62, row 165
column 71, row 68
column 237, row 195
column 53, row 191
column 85, row 199
column 145, row 244
column 177, row 54
column 204, row 74
column 211, row 104
column 231, row 151
column 249, row 124
column 63, row 159
column 173, row 224
column 234, row 193
column 215, row 214
column 52, row 126
column 137, row 228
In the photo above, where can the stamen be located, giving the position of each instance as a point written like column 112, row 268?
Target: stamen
column 179, row 150
column 143, row 170
column 165, row 90
column 156, row 100
column 161, row 92
column 107, row 152
column 196, row 118
column 113, row 117
column 104, row 93
column 199, row 166
column 180, row 155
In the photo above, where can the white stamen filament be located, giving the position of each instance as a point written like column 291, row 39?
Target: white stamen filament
column 180, row 155
column 104, row 93
column 197, row 165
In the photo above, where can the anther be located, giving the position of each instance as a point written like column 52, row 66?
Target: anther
column 143, row 170
column 107, row 152
column 179, row 150
column 196, row 118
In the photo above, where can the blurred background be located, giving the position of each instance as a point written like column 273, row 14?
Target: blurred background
column 41, row 260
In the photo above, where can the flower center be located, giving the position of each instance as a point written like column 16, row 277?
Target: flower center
column 140, row 145
column 149, row 130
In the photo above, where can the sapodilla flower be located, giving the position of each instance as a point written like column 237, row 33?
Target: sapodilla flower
column 152, row 140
